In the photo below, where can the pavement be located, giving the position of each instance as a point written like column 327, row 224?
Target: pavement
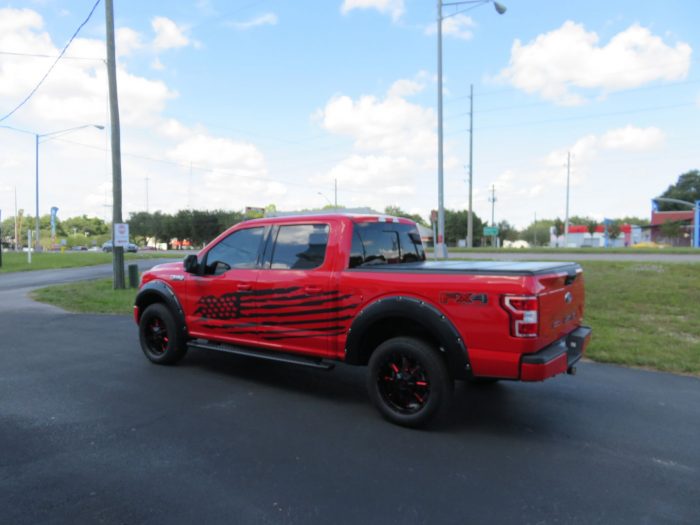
column 91, row 432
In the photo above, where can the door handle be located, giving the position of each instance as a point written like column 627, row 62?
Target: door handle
column 312, row 289
column 244, row 287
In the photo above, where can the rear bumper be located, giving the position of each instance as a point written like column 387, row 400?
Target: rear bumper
column 556, row 358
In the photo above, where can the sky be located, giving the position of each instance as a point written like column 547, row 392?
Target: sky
column 228, row 104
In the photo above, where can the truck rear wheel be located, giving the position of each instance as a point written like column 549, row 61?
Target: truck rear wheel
column 408, row 381
column 160, row 338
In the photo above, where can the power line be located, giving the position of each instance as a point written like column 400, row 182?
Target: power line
column 39, row 55
column 60, row 55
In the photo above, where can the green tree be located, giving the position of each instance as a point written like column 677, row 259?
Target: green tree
column 672, row 229
column 591, row 226
column 614, row 230
column 558, row 226
column 396, row 211
column 507, row 232
column 537, row 233
column 687, row 188
column 456, row 226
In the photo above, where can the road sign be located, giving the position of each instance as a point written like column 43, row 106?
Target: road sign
column 121, row 234
column 490, row 231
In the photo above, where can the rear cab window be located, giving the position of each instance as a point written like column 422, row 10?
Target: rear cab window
column 299, row 247
column 385, row 243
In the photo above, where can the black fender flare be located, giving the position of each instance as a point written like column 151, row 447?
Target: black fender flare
column 160, row 292
column 418, row 312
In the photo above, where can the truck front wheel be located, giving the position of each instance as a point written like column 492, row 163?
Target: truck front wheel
column 160, row 338
column 408, row 381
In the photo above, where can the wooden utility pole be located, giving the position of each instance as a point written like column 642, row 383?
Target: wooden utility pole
column 117, row 251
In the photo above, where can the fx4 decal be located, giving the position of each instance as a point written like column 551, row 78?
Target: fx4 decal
column 463, row 298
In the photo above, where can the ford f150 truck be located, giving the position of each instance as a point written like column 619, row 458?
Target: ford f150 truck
column 312, row 290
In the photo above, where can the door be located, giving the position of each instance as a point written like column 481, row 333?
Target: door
column 220, row 302
column 297, row 302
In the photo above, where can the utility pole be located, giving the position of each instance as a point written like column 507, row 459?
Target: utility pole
column 16, row 224
column 36, row 180
column 470, row 223
column 566, row 221
column 440, row 248
column 492, row 200
column 534, row 228
column 117, row 251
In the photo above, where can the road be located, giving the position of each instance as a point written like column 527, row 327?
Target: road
column 583, row 256
column 91, row 432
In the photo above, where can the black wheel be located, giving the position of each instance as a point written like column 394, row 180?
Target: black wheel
column 161, row 339
column 408, row 381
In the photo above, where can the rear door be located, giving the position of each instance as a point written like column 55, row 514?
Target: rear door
column 298, row 300
column 220, row 304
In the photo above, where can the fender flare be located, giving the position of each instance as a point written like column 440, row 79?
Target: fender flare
column 157, row 291
column 418, row 312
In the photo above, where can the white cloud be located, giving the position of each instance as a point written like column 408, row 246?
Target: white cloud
column 395, row 8
column 391, row 125
column 127, row 41
column 75, row 169
column 405, row 88
column 458, row 26
column 268, row 19
column 157, row 64
column 560, row 64
column 631, row 138
column 168, row 34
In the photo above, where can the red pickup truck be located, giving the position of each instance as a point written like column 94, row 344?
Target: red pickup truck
column 312, row 290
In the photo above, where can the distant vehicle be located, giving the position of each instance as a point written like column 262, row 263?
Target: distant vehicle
column 79, row 248
column 131, row 247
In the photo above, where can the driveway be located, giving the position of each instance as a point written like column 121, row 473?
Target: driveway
column 91, row 432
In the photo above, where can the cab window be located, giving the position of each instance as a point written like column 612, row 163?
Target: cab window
column 385, row 243
column 300, row 247
column 238, row 250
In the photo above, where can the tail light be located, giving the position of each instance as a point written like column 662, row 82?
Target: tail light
column 523, row 312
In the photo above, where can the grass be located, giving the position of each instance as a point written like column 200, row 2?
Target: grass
column 17, row 262
column 545, row 249
column 88, row 297
column 642, row 314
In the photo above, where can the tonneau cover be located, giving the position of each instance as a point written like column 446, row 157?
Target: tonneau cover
column 475, row 267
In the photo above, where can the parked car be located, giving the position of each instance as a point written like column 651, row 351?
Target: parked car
column 311, row 290
column 131, row 247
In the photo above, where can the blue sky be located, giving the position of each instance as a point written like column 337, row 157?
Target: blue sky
column 229, row 104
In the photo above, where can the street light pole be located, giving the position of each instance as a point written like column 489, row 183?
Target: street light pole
column 470, row 221
column 440, row 247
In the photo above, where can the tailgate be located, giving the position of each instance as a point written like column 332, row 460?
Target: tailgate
column 561, row 302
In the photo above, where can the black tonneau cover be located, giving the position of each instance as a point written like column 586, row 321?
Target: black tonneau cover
column 474, row 267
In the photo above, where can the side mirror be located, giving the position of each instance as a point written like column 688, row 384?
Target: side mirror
column 191, row 264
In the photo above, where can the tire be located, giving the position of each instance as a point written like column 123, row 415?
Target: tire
column 408, row 382
column 161, row 339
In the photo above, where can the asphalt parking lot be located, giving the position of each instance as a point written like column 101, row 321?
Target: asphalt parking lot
column 91, row 432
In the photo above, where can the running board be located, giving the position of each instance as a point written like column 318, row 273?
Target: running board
column 261, row 354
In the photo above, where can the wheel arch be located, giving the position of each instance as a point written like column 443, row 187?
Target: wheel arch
column 390, row 317
column 160, row 292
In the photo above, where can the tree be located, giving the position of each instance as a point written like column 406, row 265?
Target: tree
column 558, row 226
column 614, row 230
column 507, row 232
column 398, row 212
column 456, row 225
column 672, row 229
column 91, row 226
column 537, row 233
column 591, row 226
column 687, row 188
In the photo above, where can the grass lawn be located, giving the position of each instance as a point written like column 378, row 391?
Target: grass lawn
column 88, row 297
column 17, row 262
column 545, row 249
column 642, row 314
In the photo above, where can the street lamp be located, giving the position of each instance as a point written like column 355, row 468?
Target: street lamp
column 37, row 138
column 440, row 248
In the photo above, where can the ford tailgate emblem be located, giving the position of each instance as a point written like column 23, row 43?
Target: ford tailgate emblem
column 568, row 297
